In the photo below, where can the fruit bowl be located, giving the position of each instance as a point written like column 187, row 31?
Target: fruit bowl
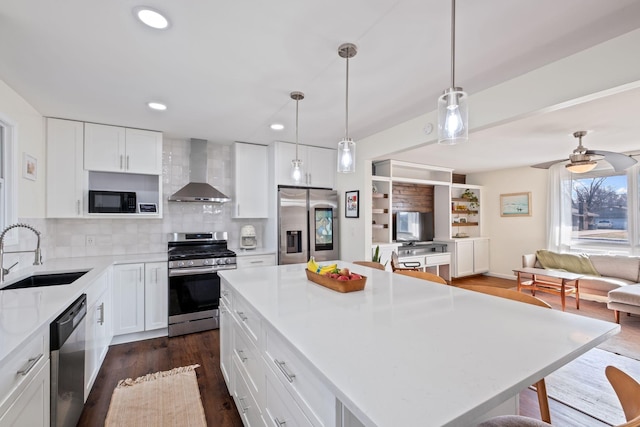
column 335, row 284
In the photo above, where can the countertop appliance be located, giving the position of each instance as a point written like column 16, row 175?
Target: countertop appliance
column 67, row 336
column 248, row 238
column 194, row 285
column 112, row 201
column 307, row 225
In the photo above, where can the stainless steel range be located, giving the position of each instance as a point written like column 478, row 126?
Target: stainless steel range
column 194, row 285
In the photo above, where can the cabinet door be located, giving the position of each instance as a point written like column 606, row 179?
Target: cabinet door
column 464, row 258
column 143, row 152
column 31, row 408
column 128, row 298
column 156, row 295
column 481, row 255
column 321, row 167
column 104, row 148
column 66, row 180
column 91, row 367
column 251, row 181
column 226, row 346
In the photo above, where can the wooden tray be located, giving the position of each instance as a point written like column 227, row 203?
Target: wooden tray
column 337, row 285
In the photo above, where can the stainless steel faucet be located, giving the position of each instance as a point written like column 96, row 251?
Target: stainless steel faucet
column 36, row 251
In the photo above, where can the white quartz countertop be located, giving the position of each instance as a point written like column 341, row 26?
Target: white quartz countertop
column 23, row 312
column 409, row 352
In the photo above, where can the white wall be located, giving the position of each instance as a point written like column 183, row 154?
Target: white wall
column 30, row 137
column 511, row 237
column 605, row 67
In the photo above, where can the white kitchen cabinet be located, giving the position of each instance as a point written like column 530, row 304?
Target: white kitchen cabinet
column 31, row 408
column 156, row 291
column 247, row 261
column 98, row 329
column 252, row 180
column 66, row 179
column 128, row 298
column 469, row 256
column 319, row 165
column 226, row 350
column 117, row 149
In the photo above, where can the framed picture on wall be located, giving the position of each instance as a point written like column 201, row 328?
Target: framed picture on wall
column 515, row 204
column 29, row 167
column 351, row 204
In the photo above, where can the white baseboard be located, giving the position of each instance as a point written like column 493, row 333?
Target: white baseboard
column 139, row 336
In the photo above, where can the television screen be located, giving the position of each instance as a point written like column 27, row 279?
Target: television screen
column 413, row 226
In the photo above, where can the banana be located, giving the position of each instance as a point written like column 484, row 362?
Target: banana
column 327, row 268
column 312, row 265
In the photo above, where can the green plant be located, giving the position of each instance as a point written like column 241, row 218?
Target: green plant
column 375, row 255
column 472, row 198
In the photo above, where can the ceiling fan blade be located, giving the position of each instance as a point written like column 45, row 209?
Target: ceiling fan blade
column 618, row 161
column 547, row 165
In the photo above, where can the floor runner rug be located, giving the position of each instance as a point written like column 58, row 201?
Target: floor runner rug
column 169, row 398
column 582, row 385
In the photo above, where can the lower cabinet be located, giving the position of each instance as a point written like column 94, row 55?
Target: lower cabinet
column 140, row 293
column 469, row 256
column 270, row 382
column 31, row 408
column 99, row 329
column 246, row 261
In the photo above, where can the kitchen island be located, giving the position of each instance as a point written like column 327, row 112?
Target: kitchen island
column 402, row 352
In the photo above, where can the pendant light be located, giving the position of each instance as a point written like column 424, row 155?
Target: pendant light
column 296, row 164
column 453, row 114
column 346, row 147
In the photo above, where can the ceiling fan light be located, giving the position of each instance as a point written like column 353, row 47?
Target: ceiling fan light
column 581, row 167
column 453, row 117
column 346, row 156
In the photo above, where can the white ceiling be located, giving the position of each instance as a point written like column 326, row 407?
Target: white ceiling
column 226, row 68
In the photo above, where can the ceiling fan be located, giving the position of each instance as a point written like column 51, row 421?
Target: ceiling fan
column 583, row 160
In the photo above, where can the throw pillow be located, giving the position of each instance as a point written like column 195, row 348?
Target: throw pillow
column 574, row 263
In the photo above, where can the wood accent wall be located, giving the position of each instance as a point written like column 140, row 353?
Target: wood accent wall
column 412, row 197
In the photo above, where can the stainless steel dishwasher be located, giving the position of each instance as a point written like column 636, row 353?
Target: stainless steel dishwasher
column 67, row 364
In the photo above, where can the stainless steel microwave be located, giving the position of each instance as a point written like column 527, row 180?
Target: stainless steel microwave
column 112, row 201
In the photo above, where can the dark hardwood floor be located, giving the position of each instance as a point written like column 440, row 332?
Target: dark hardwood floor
column 143, row 357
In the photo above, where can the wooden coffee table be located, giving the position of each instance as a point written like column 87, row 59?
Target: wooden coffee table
column 539, row 281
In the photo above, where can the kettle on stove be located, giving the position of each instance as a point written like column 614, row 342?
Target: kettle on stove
column 248, row 238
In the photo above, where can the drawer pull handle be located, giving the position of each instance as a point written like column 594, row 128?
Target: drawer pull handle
column 281, row 365
column 241, row 355
column 280, row 423
column 256, row 262
column 242, row 316
column 243, row 407
column 30, row 364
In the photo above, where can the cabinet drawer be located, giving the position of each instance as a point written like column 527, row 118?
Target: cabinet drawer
column 248, row 319
column 247, row 406
column 28, row 359
column 280, row 408
column 248, row 359
column 438, row 259
column 315, row 399
column 255, row 261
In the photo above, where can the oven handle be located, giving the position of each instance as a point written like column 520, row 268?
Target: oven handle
column 192, row 271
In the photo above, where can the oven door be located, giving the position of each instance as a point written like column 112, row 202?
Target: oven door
column 194, row 295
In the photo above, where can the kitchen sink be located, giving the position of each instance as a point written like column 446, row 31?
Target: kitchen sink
column 52, row 279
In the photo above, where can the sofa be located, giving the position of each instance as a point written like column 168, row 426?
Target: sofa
column 602, row 273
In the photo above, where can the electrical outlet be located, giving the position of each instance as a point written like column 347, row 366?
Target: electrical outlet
column 91, row 241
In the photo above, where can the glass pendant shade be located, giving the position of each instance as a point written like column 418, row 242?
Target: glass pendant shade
column 581, row 167
column 453, row 117
column 296, row 170
column 346, row 156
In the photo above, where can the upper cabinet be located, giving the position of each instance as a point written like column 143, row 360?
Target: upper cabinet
column 117, row 149
column 252, row 180
column 66, row 178
column 318, row 165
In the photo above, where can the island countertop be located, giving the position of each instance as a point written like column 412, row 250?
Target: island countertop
column 409, row 352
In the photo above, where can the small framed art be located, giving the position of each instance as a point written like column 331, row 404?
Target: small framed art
column 351, row 205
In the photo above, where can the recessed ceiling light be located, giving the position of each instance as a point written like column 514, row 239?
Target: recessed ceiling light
column 151, row 17
column 277, row 126
column 156, row 106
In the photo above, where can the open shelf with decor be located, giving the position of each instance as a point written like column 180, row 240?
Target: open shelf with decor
column 465, row 211
column 381, row 210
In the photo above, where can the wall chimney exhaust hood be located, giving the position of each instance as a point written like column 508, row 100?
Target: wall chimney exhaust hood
column 197, row 190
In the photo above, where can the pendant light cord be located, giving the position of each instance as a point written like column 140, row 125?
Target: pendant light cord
column 297, row 101
column 453, row 43
column 346, row 105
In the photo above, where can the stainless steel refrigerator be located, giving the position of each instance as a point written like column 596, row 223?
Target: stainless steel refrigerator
column 307, row 225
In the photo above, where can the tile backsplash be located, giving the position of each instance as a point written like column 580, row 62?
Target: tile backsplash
column 63, row 238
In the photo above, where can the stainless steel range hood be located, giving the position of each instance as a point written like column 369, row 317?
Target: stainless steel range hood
column 197, row 190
